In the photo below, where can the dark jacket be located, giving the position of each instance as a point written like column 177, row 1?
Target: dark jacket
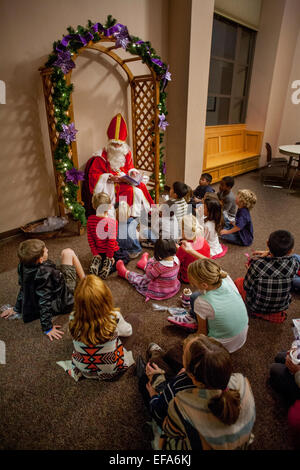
column 43, row 293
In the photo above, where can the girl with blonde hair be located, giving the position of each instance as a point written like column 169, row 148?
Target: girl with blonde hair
column 95, row 326
column 191, row 231
column 241, row 232
column 217, row 308
column 219, row 412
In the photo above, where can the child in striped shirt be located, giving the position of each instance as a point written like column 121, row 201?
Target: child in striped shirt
column 160, row 279
column 177, row 201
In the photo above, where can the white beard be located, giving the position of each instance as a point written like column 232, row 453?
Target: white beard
column 116, row 156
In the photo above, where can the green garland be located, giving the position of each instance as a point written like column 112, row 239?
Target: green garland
column 64, row 50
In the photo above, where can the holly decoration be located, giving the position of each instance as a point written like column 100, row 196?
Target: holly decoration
column 61, row 61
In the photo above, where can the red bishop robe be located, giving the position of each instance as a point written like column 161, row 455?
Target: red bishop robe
column 101, row 165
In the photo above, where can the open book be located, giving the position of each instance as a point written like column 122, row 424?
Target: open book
column 135, row 179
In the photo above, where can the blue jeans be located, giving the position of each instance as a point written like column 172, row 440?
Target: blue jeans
column 232, row 238
column 127, row 237
column 296, row 280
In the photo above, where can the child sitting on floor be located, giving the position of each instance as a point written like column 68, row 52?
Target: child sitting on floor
column 266, row 288
column 285, row 374
column 204, row 187
column 45, row 290
column 161, row 223
column 177, row 201
column 102, row 237
column 213, row 223
column 127, row 230
column 217, row 309
column 227, row 199
column 160, row 279
column 193, row 233
column 241, row 232
column 95, row 326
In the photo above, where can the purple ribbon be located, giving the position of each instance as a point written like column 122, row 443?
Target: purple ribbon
column 98, row 26
column 66, row 39
column 86, row 38
column 157, row 62
column 166, row 77
column 61, row 47
column 117, row 28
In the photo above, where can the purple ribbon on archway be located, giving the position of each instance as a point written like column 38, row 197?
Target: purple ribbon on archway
column 117, row 28
column 120, row 32
column 86, row 38
column 98, row 27
column 157, row 62
column 77, row 37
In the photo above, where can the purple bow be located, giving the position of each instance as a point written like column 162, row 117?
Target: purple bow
column 68, row 133
column 74, row 175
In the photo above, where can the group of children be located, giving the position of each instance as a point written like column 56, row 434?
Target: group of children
column 186, row 241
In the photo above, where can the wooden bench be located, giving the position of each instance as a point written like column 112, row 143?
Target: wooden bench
column 230, row 150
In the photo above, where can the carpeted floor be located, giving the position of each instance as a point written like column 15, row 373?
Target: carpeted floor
column 42, row 408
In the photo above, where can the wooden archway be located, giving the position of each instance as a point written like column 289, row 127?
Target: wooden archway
column 145, row 96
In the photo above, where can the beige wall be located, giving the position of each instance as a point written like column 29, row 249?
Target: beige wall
column 280, row 89
column 273, row 63
column 189, row 55
column 290, row 128
column 243, row 11
column 178, row 54
column 30, row 28
column 201, row 31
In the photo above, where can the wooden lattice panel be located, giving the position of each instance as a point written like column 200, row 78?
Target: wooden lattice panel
column 53, row 133
column 48, row 92
column 144, row 119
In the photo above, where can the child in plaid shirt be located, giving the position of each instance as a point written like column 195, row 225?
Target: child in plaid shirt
column 266, row 288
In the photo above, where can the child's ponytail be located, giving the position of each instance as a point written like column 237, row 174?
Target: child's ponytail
column 208, row 362
column 207, row 270
column 226, row 406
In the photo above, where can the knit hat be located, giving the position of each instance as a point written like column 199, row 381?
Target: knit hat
column 117, row 129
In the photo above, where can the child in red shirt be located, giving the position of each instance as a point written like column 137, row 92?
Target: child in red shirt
column 102, row 236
